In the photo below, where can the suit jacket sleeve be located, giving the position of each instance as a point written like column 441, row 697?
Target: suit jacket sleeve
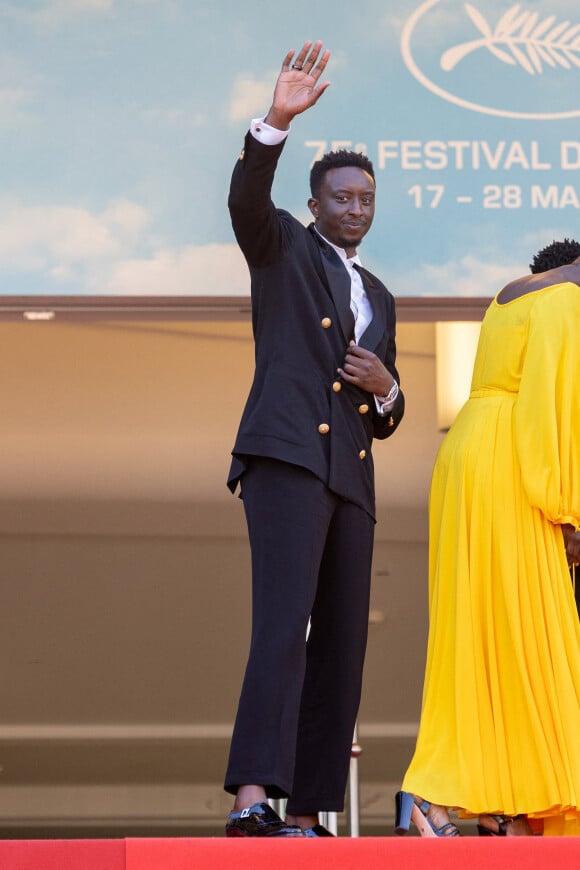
column 255, row 220
column 385, row 425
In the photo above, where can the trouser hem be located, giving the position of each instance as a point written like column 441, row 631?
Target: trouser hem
column 318, row 805
column 276, row 792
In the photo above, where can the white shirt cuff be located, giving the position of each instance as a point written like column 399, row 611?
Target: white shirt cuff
column 266, row 134
column 385, row 403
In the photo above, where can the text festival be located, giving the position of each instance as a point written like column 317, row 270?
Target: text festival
column 412, row 154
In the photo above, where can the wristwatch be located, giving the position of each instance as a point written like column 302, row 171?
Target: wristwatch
column 389, row 399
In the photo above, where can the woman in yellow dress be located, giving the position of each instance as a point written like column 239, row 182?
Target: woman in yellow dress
column 499, row 736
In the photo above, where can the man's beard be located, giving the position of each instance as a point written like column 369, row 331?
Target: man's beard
column 350, row 243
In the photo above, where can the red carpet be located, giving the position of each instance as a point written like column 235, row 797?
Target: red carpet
column 366, row 853
column 62, row 855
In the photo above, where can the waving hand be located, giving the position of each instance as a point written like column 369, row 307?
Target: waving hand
column 297, row 87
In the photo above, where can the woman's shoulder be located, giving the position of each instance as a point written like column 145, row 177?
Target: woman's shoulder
column 541, row 281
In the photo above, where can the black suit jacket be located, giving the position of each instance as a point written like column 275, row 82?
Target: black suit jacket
column 298, row 409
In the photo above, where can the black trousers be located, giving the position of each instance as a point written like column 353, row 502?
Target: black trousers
column 311, row 559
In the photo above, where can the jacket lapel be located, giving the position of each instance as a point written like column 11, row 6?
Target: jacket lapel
column 373, row 334
column 337, row 281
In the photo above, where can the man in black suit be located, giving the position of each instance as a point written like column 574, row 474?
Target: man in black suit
column 325, row 385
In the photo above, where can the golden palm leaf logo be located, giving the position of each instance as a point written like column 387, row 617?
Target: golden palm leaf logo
column 536, row 43
column 523, row 38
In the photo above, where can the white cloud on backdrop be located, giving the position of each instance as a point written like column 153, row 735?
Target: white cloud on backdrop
column 467, row 276
column 203, row 270
column 251, row 98
column 102, row 253
column 37, row 237
column 471, row 276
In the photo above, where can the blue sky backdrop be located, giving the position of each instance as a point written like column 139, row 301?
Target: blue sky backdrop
column 120, row 121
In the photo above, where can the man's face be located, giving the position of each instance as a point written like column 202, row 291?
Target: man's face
column 344, row 210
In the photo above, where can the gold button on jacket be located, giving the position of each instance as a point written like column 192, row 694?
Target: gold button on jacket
column 326, row 322
column 363, row 409
column 324, row 428
column 362, row 454
column 337, row 386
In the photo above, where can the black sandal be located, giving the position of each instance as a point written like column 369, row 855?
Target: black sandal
column 502, row 823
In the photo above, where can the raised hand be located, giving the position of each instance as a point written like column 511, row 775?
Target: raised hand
column 297, row 87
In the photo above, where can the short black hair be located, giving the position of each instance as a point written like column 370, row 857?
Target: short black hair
column 554, row 255
column 337, row 160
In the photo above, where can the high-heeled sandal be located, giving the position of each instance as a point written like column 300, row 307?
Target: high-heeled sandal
column 502, row 823
column 408, row 809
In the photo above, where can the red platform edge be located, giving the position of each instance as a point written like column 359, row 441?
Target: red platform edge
column 63, row 855
column 343, row 853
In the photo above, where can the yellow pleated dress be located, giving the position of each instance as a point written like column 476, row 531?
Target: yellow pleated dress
column 500, row 721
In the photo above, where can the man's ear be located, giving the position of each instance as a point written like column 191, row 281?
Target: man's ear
column 313, row 206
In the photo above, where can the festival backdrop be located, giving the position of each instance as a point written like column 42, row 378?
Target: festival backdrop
column 121, row 120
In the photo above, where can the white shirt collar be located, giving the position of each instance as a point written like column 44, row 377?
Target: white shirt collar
column 349, row 261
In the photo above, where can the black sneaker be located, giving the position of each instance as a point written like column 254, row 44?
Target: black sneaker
column 259, row 820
